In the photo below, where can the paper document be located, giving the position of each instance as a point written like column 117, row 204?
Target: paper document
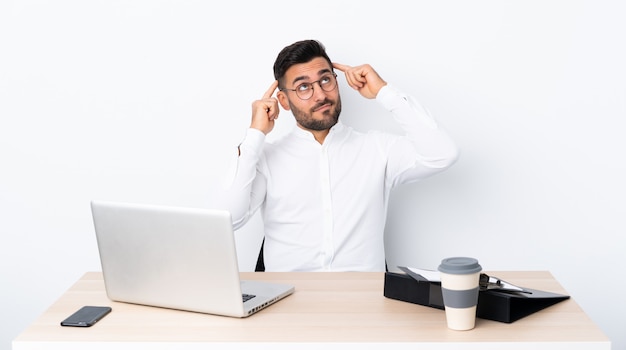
column 486, row 282
column 421, row 274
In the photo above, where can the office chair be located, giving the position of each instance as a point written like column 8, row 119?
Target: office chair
column 260, row 262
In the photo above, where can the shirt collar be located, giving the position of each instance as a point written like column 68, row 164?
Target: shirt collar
column 298, row 131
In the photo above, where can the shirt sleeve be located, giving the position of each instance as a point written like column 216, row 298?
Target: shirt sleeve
column 245, row 186
column 425, row 149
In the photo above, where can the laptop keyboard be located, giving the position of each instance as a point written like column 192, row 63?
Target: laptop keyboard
column 247, row 297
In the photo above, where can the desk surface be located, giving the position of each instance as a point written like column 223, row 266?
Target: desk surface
column 337, row 308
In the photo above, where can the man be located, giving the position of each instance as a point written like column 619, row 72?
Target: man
column 323, row 189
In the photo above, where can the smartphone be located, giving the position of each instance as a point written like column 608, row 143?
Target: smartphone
column 86, row 316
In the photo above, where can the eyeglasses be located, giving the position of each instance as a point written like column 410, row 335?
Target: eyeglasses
column 305, row 90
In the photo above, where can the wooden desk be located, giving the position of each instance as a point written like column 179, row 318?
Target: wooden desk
column 345, row 309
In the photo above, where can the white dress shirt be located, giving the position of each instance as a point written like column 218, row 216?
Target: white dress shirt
column 324, row 205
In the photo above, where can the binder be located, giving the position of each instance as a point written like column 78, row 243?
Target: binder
column 493, row 305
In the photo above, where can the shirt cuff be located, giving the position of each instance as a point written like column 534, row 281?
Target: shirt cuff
column 390, row 97
column 403, row 105
column 253, row 141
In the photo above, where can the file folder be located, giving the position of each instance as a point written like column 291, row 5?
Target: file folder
column 493, row 305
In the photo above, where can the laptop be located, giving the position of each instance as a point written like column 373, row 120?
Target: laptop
column 177, row 258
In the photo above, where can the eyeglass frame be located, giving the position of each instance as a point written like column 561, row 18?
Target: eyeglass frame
column 334, row 75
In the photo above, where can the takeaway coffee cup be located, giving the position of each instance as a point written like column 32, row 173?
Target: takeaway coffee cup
column 459, row 286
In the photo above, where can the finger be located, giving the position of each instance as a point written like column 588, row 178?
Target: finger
column 354, row 79
column 271, row 90
column 272, row 110
column 341, row 67
column 347, row 71
column 359, row 75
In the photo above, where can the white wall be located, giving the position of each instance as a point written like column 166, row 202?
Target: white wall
column 142, row 100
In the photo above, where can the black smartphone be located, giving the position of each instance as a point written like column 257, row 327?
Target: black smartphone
column 86, row 316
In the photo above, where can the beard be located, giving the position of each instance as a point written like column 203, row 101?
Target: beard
column 329, row 117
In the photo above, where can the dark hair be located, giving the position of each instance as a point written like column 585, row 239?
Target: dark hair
column 298, row 52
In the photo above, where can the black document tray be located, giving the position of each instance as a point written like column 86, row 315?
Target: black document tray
column 493, row 305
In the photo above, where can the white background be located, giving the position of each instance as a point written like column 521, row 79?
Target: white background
column 143, row 100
